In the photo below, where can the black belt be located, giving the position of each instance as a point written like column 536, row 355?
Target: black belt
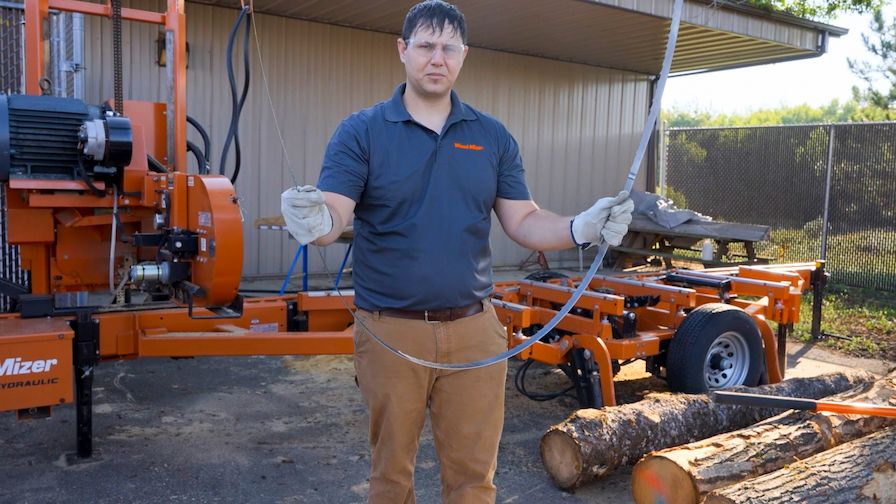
column 441, row 315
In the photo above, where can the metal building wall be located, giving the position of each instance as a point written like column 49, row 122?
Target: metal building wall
column 577, row 126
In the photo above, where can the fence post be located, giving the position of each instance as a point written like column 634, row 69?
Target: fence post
column 661, row 169
column 827, row 193
column 818, row 283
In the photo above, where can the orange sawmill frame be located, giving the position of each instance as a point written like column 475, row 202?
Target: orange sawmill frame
column 767, row 294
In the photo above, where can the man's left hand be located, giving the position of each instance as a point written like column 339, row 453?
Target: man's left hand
column 607, row 219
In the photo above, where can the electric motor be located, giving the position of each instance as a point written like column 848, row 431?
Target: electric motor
column 47, row 137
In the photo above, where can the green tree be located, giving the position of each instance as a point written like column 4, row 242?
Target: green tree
column 817, row 9
column 876, row 104
column 833, row 112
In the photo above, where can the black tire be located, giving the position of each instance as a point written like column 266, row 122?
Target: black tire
column 545, row 275
column 717, row 346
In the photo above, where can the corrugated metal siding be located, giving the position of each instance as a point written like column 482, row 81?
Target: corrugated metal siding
column 620, row 34
column 728, row 17
column 577, row 126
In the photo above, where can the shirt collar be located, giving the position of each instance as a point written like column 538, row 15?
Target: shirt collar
column 396, row 111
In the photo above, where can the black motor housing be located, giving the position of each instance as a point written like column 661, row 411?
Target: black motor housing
column 47, row 137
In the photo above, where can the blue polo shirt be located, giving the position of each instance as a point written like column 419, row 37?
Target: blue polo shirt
column 423, row 202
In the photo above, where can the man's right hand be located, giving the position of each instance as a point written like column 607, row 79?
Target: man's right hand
column 306, row 214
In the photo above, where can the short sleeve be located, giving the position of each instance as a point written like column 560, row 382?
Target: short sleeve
column 511, row 176
column 346, row 160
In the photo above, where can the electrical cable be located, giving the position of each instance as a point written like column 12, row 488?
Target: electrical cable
column 236, row 124
column 112, row 241
column 602, row 250
column 237, row 103
column 200, row 159
column 206, row 142
column 154, row 165
column 519, row 381
column 232, row 81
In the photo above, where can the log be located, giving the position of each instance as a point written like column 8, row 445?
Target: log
column 857, row 472
column 686, row 473
column 594, row 442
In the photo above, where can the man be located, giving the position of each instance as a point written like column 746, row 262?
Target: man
column 422, row 172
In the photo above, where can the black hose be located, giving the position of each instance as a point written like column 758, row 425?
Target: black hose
column 236, row 134
column 231, row 79
column 236, row 102
column 155, row 165
column 520, row 382
column 200, row 159
column 206, row 142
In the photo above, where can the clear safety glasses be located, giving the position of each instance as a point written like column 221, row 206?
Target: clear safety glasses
column 426, row 48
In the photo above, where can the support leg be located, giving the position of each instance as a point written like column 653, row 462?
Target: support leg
column 819, row 279
column 292, row 267
column 86, row 353
column 348, row 252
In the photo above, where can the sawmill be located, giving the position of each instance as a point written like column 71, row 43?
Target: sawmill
column 131, row 241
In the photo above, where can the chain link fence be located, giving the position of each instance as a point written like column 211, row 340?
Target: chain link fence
column 63, row 70
column 795, row 179
column 12, row 80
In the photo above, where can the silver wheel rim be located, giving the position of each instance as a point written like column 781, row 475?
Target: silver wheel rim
column 727, row 361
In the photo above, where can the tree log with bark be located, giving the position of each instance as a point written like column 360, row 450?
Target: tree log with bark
column 684, row 474
column 857, row 472
column 594, row 442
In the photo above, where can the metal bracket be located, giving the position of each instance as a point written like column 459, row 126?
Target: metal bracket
column 232, row 311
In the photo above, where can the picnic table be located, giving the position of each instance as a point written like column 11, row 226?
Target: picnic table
column 646, row 239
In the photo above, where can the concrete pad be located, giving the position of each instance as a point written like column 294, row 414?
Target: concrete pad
column 810, row 359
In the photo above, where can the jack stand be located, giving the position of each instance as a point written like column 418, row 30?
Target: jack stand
column 87, row 356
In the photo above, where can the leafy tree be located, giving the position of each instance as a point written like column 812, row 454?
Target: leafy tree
column 816, row 9
column 875, row 104
column 798, row 114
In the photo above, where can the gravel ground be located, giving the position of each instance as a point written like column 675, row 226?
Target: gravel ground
column 255, row 429
column 278, row 430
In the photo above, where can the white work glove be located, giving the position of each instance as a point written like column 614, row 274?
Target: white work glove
column 306, row 214
column 607, row 219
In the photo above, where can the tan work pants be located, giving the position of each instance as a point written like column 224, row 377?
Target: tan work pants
column 466, row 407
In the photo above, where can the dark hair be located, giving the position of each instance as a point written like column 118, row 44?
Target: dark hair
column 434, row 14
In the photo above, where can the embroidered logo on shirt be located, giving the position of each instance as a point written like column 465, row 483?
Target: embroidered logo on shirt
column 468, row 146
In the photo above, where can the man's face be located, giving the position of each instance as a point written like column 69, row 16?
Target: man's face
column 432, row 60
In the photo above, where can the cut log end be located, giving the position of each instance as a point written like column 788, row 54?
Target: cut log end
column 562, row 457
column 593, row 443
column 657, row 479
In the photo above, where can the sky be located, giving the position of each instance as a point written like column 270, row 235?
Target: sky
column 814, row 81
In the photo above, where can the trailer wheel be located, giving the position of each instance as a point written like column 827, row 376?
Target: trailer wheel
column 717, row 346
column 546, row 275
